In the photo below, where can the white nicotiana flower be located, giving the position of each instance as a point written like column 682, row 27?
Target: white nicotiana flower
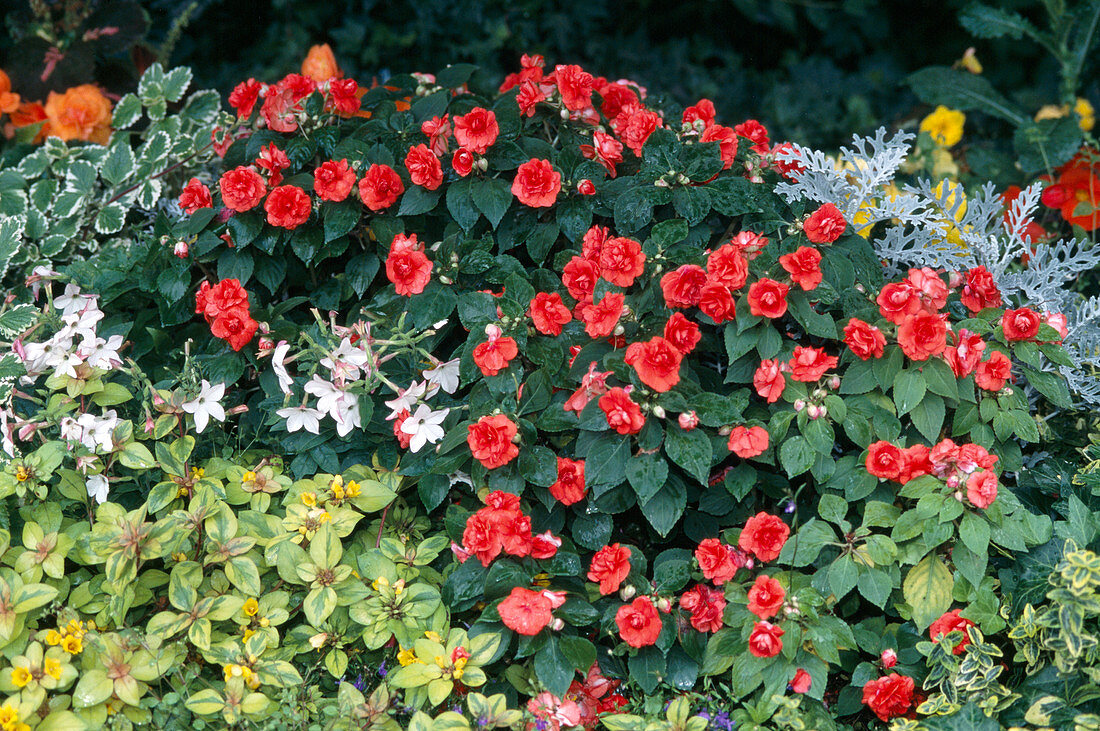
column 424, row 426
column 444, row 375
column 406, row 399
column 460, row 478
column 72, row 301
column 347, row 414
column 346, row 361
column 40, row 273
column 328, row 395
column 98, row 488
column 277, row 357
column 206, row 405
column 82, row 325
column 67, row 367
column 301, row 417
column 102, row 353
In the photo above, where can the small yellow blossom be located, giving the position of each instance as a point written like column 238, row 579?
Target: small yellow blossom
column 248, row 632
column 9, row 719
column 250, row 607
column 1050, row 111
column 433, row 636
column 337, row 492
column 318, row 640
column 399, row 587
column 264, row 622
column 407, row 657
column 72, row 645
column 352, row 489
column 309, row 499
column 944, row 125
column 22, row 474
column 53, row 637
column 970, row 62
column 1086, row 115
column 249, row 476
column 20, row 677
column 75, row 627
column 52, row 666
column 380, row 582
column 324, row 517
column 197, row 473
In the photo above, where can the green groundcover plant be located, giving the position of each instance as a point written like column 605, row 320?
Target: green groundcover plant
column 540, row 408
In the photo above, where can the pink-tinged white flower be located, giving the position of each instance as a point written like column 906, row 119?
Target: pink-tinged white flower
column 444, row 376
column 424, row 426
column 301, row 417
column 98, row 488
column 72, row 302
column 80, row 325
column 277, row 357
column 328, row 395
column 345, row 362
column 100, row 353
column 67, row 366
column 206, row 405
column 37, row 275
column 406, row 399
column 91, row 431
column 346, row 413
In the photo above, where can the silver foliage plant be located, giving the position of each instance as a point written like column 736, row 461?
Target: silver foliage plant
column 927, row 225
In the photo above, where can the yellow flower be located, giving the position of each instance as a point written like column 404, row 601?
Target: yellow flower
column 970, row 62
column 1085, row 113
column 74, row 627
column 309, row 499
column 197, row 473
column 22, row 474
column 249, row 476
column 72, row 645
column 20, row 677
column 251, row 606
column 337, row 481
column 943, row 164
column 380, row 582
column 248, row 632
column 407, row 657
column 337, row 492
column 1050, row 111
column 53, row 637
column 944, row 125
column 352, row 489
column 433, row 636
column 399, row 587
column 9, row 719
column 324, row 517
column 52, row 667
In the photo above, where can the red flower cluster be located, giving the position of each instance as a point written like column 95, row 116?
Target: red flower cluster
column 225, row 308
column 968, row 466
column 1075, row 192
column 527, row 612
column 890, row 696
column 491, row 440
column 501, row 526
column 706, row 606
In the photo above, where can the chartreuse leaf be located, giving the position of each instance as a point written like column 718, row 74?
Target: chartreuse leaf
column 927, row 590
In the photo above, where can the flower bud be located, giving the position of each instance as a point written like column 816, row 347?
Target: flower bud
column 446, row 280
column 958, row 495
column 661, row 183
column 482, row 164
column 586, row 187
column 627, row 592
column 953, row 482
column 266, row 344
column 813, row 411
column 557, row 624
column 688, row 420
column 834, row 382
column 659, row 411
column 819, row 393
column 619, row 331
column 181, row 249
column 664, row 604
column 492, row 331
column 799, row 405
column 889, row 658
column 725, row 431
column 955, row 279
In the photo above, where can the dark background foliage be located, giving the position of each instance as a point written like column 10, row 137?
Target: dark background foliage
column 814, row 71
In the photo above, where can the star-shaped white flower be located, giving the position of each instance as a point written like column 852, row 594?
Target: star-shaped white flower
column 98, row 488
column 277, row 357
column 347, row 414
column 346, row 360
column 301, row 417
column 102, row 353
column 328, row 395
column 424, row 426
column 206, row 405
column 406, row 399
column 444, row 375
